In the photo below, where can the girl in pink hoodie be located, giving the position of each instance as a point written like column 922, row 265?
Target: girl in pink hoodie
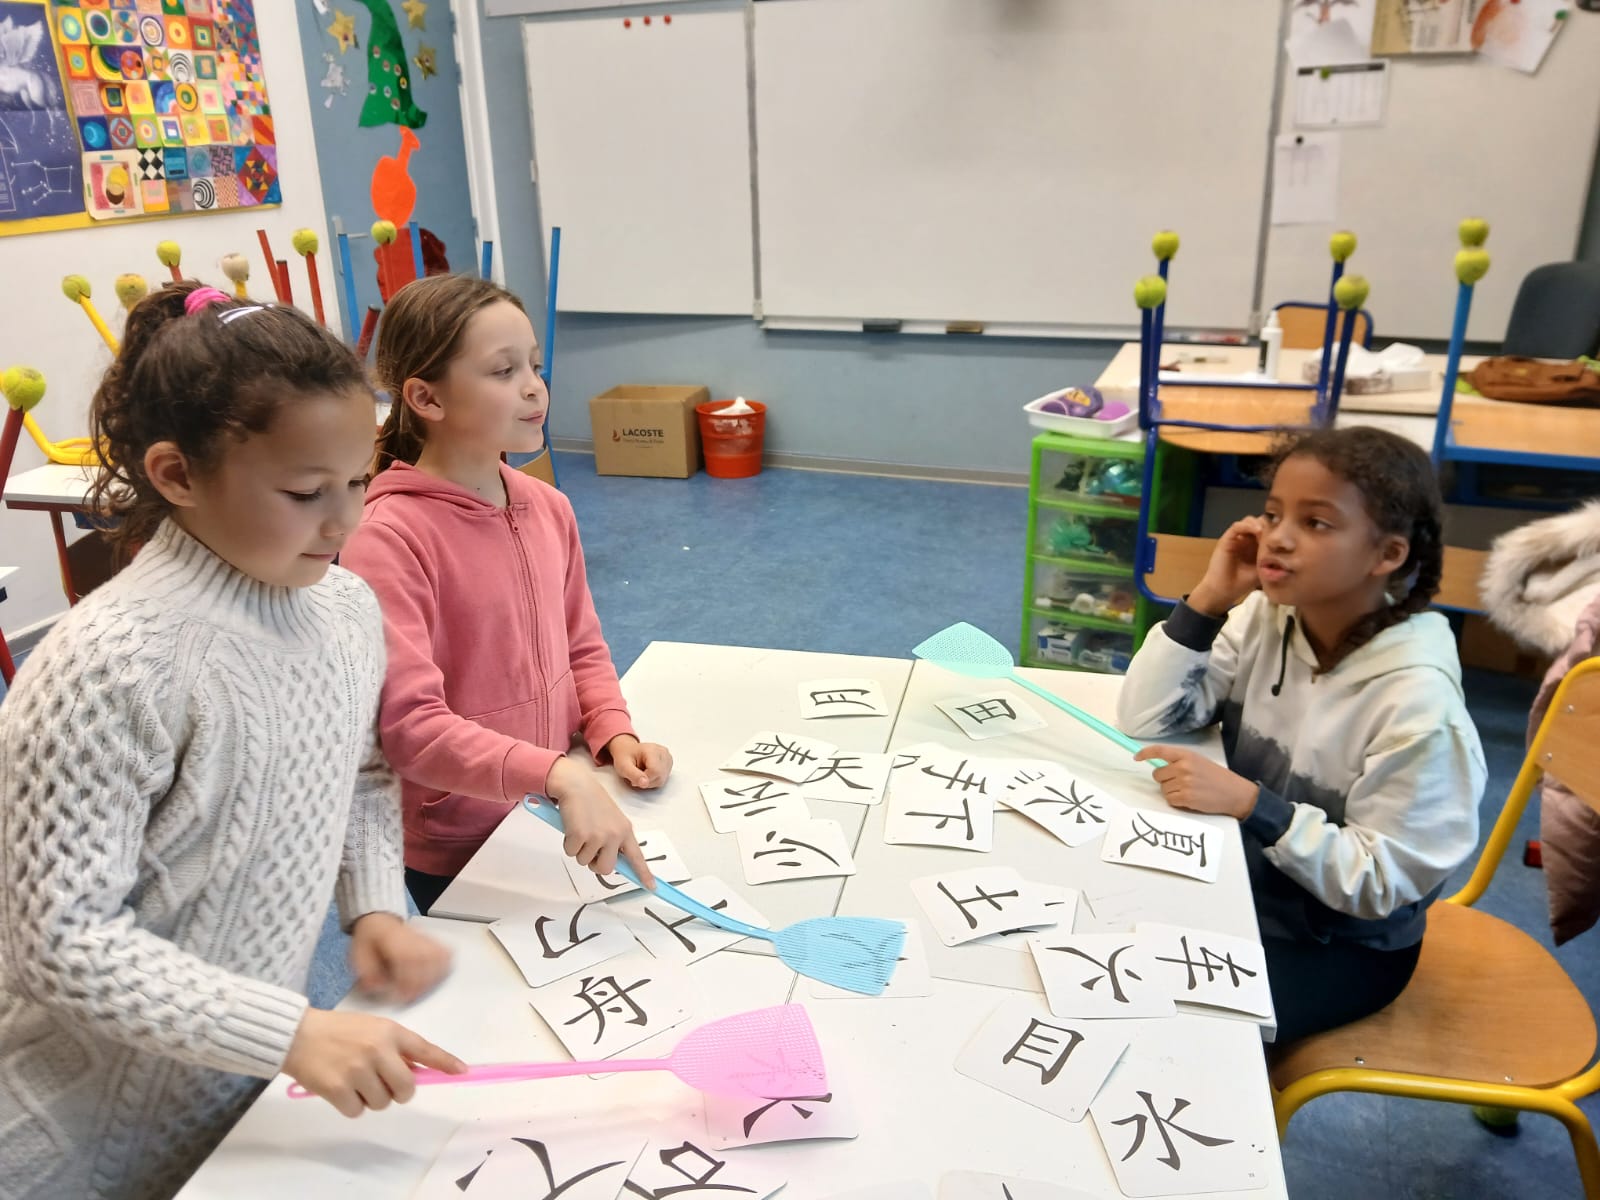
column 496, row 661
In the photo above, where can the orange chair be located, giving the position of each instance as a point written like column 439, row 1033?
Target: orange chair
column 1303, row 324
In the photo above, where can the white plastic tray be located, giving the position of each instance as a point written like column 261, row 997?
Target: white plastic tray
column 1091, row 427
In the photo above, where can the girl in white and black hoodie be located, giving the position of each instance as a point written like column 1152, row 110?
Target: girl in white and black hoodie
column 1353, row 766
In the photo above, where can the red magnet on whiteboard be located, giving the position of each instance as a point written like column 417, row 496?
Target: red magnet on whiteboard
column 647, row 20
column 667, row 20
column 627, row 22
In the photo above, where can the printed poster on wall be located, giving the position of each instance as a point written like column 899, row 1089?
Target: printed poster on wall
column 40, row 171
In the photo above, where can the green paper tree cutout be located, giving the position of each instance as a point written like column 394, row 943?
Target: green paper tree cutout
column 388, row 81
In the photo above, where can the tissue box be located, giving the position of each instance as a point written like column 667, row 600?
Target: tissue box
column 1396, row 368
column 642, row 429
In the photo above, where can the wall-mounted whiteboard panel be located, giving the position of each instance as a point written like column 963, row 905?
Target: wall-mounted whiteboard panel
column 642, row 153
column 1009, row 160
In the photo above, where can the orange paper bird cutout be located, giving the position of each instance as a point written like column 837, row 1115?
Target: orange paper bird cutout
column 393, row 193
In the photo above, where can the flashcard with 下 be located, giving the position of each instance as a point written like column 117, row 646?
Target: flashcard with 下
column 618, row 1004
column 990, row 714
column 675, row 936
column 756, row 1121
column 741, row 802
column 850, row 778
column 820, row 698
column 1099, row 975
column 1212, row 969
column 659, row 853
column 788, row 756
column 807, row 849
column 556, row 939
column 1050, row 1062
column 1061, row 903
column 682, row 1169
column 966, row 905
column 1065, row 807
column 961, row 821
column 1163, row 842
column 509, row 1159
column 978, row 1185
column 911, row 976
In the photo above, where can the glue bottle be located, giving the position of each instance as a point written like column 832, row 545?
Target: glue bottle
column 1271, row 344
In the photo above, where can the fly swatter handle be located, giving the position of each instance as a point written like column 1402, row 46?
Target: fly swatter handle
column 513, row 1072
column 1094, row 723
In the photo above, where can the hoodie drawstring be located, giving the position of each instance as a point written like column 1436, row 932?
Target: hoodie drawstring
column 1283, row 655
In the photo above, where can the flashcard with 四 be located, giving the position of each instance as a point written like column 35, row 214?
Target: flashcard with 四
column 977, row 1185
column 510, row 1159
column 752, row 1121
column 966, row 905
column 960, row 821
column 1050, row 1062
column 990, row 714
column 554, row 939
column 1138, row 838
column 681, row 1167
column 1099, row 975
column 910, row 978
column 789, row 756
column 808, row 849
column 850, row 778
column 673, row 935
column 618, row 1004
column 740, row 802
column 1069, row 809
column 659, row 853
column 1213, row 969
column 820, row 698
column 1061, row 903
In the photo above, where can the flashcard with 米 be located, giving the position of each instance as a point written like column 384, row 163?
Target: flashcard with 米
column 740, row 802
column 659, row 854
column 809, row 849
column 509, row 1159
column 821, row 698
column 618, row 1004
column 755, row 1121
column 1163, row 842
column 556, row 939
column 850, row 778
column 1049, row 1062
column 965, row 905
column 1095, row 975
column 788, row 756
column 990, row 714
column 675, row 936
column 1065, row 807
column 1212, row 969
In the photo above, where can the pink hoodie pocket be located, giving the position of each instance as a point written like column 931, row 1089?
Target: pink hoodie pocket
column 566, row 714
column 457, row 817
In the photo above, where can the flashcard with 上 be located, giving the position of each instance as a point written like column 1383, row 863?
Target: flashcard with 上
column 752, row 1121
column 659, row 853
column 556, row 939
column 613, row 1006
column 673, row 935
column 807, row 849
column 745, row 803
column 788, row 756
column 1137, row 838
column 1049, row 1062
column 1212, row 969
column 1067, row 808
column 680, row 1169
column 1061, row 903
column 990, row 714
column 851, row 778
column 821, row 698
column 978, row 1185
column 911, row 976
column 966, row 905
column 512, row 1159
column 1095, row 975
column 959, row 821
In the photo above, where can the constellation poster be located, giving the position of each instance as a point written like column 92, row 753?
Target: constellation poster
column 40, row 171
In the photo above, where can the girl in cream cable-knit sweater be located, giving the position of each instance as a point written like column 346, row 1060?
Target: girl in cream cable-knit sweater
column 188, row 770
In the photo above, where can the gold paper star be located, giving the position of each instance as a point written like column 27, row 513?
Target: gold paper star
column 416, row 13
column 344, row 28
column 425, row 60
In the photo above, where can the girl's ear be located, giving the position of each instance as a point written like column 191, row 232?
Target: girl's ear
column 1392, row 552
column 422, row 399
column 170, row 474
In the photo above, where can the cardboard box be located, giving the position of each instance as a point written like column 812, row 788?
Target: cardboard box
column 641, row 429
column 1484, row 646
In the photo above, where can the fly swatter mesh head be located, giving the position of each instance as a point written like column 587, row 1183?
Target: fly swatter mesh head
column 967, row 650
column 770, row 1052
column 857, row 954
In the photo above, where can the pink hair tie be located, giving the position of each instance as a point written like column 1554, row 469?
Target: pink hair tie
column 200, row 298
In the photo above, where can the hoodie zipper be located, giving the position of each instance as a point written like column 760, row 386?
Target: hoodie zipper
column 542, row 687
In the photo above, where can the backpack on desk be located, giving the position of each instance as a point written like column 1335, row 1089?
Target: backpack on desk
column 1536, row 381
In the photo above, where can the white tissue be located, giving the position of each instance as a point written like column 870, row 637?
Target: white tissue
column 736, row 409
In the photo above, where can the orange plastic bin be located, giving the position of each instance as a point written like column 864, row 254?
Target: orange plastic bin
column 732, row 445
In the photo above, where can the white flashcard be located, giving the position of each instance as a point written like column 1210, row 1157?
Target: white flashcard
column 740, row 802
column 898, row 1189
column 659, row 853
column 1212, row 969
column 907, row 757
column 966, row 905
column 938, row 771
column 1049, row 1062
column 554, row 939
column 821, row 698
column 1096, row 975
column 675, row 1167
column 960, row 821
column 511, row 1159
column 850, row 778
column 910, row 978
column 618, row 1004
column 750, row 1121
column 1115, row 912
column 1065, row 807
column 990, row 714
column 808, row 849
column 789, row 756
column 1138, row 838
column 673, row 935
column 977, row 1185
column 1061, row 903
column 1012, row 773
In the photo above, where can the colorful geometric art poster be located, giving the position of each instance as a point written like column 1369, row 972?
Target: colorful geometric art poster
column 40, row 171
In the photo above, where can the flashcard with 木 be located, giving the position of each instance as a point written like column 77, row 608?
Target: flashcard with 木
column 673, row 935
column 977, row 1185
column 555, row 939
column 528, row 1160
column 807, row 849
column 850, row 778
column 788, row 756
column 659, row 853
column 613, row 1006
column 910, row 978
column 1213, row 969
column 961, row 821
column 1067, row 808
column 1138, row 838
column 1061, row 903
column 740, row 802
column 990, row 714
column 820, row 698
column 1050, row 1062
column 751, row 1121
column 684, row 1170
column 1099, row 975
column 965, row 905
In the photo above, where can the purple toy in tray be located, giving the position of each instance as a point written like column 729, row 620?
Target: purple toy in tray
column 1084, row 402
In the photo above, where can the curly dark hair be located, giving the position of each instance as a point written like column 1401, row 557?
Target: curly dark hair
column 1397, row 482
column 197, row 381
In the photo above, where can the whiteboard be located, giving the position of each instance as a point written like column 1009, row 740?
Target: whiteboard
column 1462, row 138
column 641, row 142
column 1009, row 160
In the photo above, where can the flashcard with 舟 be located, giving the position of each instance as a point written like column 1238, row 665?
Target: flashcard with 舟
column 675, row 936
column 978, row 1185
column 911, row 976
column 1065, row 807
column 821, row 698
column 787, row 756
column 809, row 849
column 1173, row 1125
column 659, row 853
column 1050, row 1062
column 1093, row 975
column 511, row 1159
column 740, row 802
column 897, row 1189
column 1136, row 837
column 850, row 778
column 1212, row 969
column 990, row 714
column 966, row 905
column 618, row 1004
column 679, row 1168
column 554, row 939
column 756, row 1121
column 959, row 821
column 1061, row 903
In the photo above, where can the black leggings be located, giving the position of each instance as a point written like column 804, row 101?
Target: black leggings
column 1317, row 986
column 426, row 889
